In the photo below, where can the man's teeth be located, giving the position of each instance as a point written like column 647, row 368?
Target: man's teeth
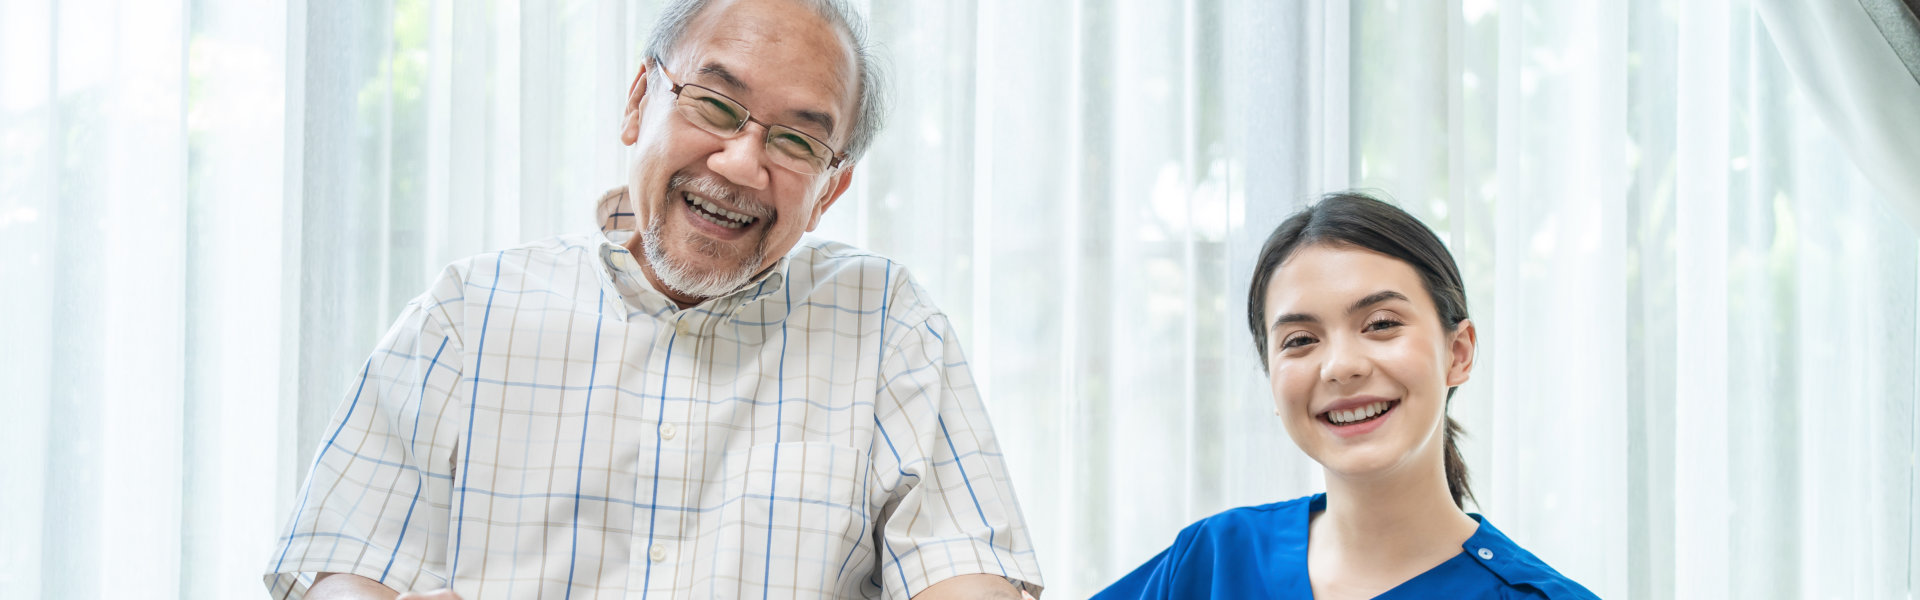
column 726, row 218
column 1342, row 417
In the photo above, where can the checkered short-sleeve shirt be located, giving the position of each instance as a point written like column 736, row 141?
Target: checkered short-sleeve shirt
column 542, row 423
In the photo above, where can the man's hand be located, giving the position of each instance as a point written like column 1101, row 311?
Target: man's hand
column 978, row 586
column 347, row 586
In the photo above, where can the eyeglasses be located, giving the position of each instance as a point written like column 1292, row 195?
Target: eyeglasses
column 717, row 114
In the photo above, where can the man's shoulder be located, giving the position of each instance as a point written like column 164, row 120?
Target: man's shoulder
column 835, row 259
column 817, row 264
column 539, row 257
column 558, row 266
column 820, row 268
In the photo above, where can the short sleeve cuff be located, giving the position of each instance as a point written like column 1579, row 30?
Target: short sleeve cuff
column 908, row 576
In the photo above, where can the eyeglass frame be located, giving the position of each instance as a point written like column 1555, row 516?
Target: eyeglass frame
column 836, row 157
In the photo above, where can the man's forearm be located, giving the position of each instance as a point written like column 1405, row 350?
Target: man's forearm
column 347, row 586
column 978, row 586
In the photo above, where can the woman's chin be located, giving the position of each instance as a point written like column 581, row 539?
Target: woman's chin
column 1361, row 462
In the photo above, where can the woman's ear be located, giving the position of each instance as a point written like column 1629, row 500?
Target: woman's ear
column 1460, row 352
column 630, row 118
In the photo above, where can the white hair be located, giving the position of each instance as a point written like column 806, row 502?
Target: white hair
column 678, row 15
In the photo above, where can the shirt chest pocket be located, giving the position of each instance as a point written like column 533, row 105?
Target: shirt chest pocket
column 799, row 514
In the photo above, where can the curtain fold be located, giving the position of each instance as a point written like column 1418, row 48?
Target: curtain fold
column 1689, row 252
column 1702, row 153
column 1899, row 24
column 1848, row 60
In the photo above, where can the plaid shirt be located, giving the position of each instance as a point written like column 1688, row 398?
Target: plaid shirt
column 542, row 423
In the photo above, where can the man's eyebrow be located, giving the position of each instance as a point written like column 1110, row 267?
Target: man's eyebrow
column 726, row 77
column 1370, row 300
column 824, row 120
column 733, row 82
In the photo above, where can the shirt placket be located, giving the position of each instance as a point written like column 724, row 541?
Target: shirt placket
column 664, row 488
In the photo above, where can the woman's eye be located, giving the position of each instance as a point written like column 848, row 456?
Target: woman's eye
column 1296, row 342
column 1382, row 324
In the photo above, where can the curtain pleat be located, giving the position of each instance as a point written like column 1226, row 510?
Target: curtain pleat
column 1852, row 63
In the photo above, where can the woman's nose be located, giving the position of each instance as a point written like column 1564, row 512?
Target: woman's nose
column 1346, row 362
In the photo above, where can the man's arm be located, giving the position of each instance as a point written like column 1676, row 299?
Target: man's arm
column 978, row 586
column 347, row 586
column 952, row 491
column 386, row 459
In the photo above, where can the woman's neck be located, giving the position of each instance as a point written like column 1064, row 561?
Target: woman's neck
column 1392, row 519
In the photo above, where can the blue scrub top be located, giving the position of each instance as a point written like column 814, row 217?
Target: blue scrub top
column 1261, row 552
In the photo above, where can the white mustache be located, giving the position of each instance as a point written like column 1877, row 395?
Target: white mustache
column 714, row 189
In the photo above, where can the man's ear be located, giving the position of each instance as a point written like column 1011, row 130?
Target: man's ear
column 841, row 180
column 1465, row 341
column 630, row 118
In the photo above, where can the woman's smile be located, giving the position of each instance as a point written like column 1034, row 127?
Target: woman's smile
column 1348, row 420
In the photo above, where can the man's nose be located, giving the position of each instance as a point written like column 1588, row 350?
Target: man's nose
column 742, row 159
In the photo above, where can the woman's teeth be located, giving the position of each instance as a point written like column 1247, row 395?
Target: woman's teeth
column 1346, row 417
column 715, row 214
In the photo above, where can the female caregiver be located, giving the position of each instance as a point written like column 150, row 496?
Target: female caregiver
column 1360, row 318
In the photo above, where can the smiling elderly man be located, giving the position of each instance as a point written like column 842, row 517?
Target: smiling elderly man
column 705, row 408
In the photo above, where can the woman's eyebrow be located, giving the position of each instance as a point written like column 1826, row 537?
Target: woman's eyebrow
column 1295, row 318
column 1363, row 303
column 1376, row 298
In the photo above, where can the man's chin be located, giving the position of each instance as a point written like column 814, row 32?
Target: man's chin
column 693, row 264
column 704, row 275
column 700, row 254
column 706, row 253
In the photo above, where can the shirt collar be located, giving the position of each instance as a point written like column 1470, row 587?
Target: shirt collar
column 618, row 225
column 1513, row 564
column 1491, row 549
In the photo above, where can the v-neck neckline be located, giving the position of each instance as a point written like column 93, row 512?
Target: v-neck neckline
column 1293, row 563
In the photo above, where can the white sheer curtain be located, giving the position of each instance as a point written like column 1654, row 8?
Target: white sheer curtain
column 1859, row 64
column 1698, row 318
column 212, row 209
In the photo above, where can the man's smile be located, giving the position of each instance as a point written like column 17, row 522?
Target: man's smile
column 715, row 213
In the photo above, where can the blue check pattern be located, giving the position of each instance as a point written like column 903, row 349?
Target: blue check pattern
column 542, row 423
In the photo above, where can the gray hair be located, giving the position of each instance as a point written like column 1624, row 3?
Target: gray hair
column 871, row 111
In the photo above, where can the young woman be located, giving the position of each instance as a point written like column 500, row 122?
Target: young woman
column 1360, row 317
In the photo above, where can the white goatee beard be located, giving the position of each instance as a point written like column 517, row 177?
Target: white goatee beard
column 685, row 278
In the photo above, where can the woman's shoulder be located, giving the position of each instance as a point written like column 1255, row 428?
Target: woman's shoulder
column 1275, row 511
column 1255, row 532
column 1243, row 552
column 1518, row 567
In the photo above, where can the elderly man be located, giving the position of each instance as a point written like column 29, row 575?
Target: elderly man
column 706, row 407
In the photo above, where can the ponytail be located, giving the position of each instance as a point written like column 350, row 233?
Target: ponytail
column 1457, row 483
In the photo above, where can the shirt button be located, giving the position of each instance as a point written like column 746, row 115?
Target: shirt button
column 1486, row 554
column 684, row 327
column 658, row 553
column 666, row 431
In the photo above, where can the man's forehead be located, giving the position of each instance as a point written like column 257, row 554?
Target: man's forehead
column 773, row 47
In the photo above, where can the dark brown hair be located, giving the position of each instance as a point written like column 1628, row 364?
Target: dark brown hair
column 1362, row 221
